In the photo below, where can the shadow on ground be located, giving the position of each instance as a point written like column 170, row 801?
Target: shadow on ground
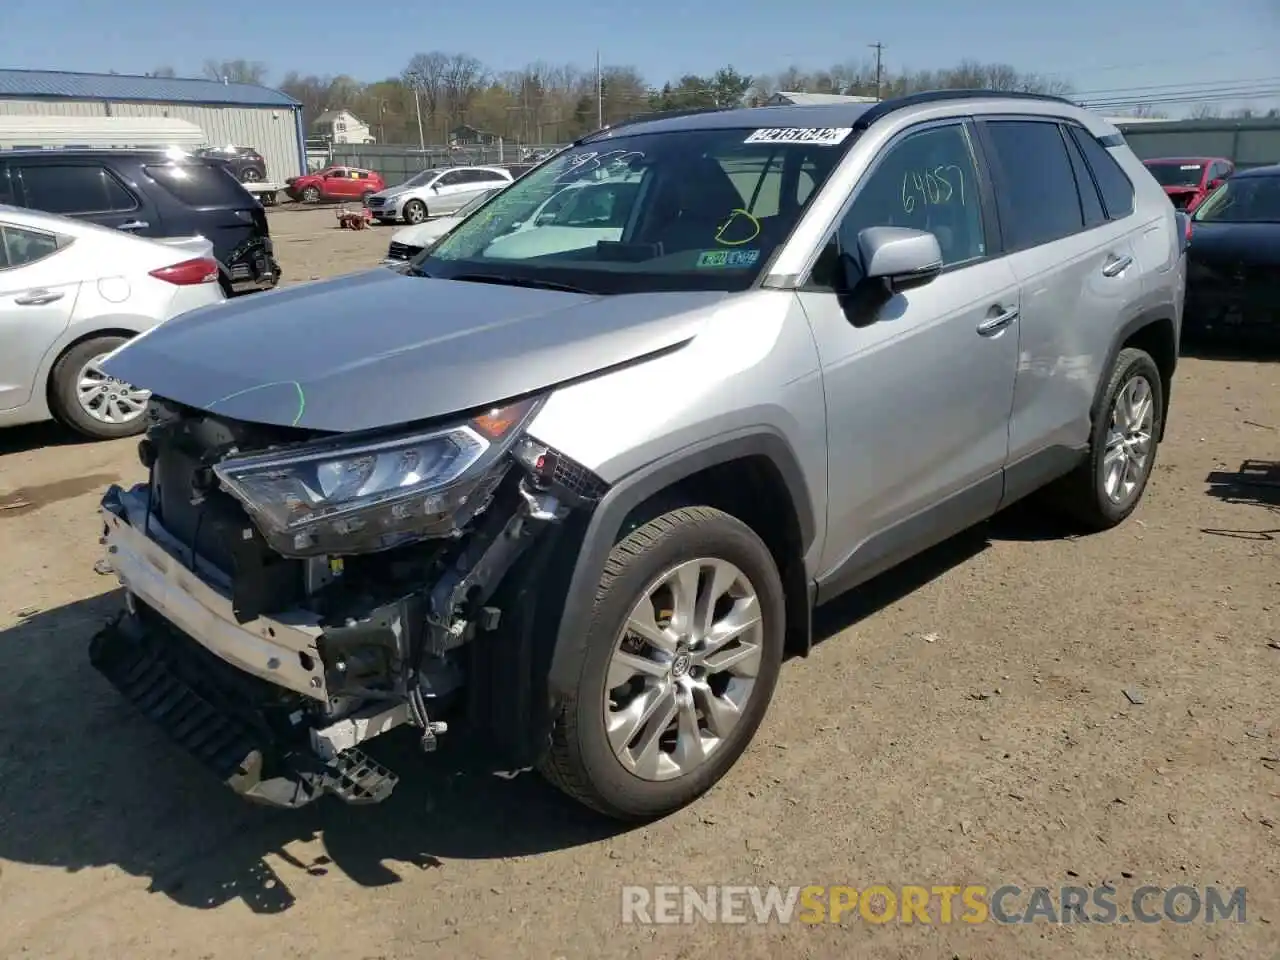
column 1256, row 484
column 1230, row 346
column 37, row 436
column 86, row 782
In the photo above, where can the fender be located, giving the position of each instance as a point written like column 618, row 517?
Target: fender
column 623, row 497
column 1144, row 319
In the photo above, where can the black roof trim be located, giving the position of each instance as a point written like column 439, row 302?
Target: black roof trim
column 1112, row 140
column 885, row 107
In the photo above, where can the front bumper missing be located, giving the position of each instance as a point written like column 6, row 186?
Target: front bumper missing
column 177, row 654
column 282, row 653
column 143, row 666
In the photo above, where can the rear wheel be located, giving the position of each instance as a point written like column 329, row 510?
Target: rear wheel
column 89, row 401
column 683, row 652
column 415, row 211
column 1108, row 485
column 250, row 175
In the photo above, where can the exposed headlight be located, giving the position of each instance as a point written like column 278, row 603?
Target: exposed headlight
column 355, row 495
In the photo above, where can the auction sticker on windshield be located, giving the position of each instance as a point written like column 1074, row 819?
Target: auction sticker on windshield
column 822, row 136
column 728, row 258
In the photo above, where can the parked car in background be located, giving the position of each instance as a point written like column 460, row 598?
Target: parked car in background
column 408, row 242
column 335, row 183
column 434, row 193
column 70, row 291
column 585, row 504
column 151, row 193
column 1188, row 180
column 1233, row 269
column 245, row 163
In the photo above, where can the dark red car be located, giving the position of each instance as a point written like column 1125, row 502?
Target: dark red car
column 335, row 183
column 1188, row 180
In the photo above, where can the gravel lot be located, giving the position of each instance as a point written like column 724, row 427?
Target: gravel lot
column 965, row 721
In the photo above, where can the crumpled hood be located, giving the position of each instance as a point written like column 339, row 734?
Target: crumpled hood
column 380, row 348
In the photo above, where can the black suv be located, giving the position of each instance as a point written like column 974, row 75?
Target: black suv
column 245, row 163
column 153, row 195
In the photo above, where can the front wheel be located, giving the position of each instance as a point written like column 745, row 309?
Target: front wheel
column 415, row 211
column 683, row 652
column 1108, row 485
column 311, row 195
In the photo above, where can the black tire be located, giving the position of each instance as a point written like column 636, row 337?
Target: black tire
column 1081, row 495
column 580, row 761
column 251, row 175
column 310, row 195
column 63, row 393
column 419, row 211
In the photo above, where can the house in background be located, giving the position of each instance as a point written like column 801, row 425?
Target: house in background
column 466, row 135
column 341, row 126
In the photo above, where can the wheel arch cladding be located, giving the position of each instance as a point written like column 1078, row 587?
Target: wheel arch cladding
column 1154, row 333
column 752, row 475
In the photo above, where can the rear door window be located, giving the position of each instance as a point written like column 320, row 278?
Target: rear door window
column 198, row 184
column 1036, row 189
column 20, row 246
column 1113, row 182
column 7, row 194
column 75, row 189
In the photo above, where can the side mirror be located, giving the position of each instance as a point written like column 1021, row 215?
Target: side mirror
column 1215, row 184
column 435, row 188
column 900, row 257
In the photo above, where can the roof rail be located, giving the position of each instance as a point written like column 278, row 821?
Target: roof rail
column 885, row 107
column 646, row 117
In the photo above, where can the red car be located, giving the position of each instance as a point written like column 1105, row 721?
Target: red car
column 1188, row 180
column 335, row 183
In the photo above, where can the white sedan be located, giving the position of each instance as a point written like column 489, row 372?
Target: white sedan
column 408, row 242
column 72, row 292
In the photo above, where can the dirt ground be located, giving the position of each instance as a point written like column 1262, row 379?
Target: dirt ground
column 964, row 721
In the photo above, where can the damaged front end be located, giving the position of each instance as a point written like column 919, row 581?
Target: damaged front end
column 290, row 595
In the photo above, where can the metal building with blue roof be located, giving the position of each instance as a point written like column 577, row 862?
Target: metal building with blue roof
column 243, row 114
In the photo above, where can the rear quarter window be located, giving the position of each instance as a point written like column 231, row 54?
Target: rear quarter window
column 199, row 185
column 1113, row 182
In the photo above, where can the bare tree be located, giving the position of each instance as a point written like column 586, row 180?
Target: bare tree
column 1204, row 111
column 235, row 71
column 425, row 73
column 463, row 76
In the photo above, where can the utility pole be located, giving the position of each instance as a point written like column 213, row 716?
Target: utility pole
column 599, row 94
column 878, row 47
column 417, row 107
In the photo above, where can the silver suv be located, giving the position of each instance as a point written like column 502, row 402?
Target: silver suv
column 572, row 489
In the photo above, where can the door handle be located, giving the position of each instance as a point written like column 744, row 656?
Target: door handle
column 998, row 322
column 38, row 297
column 134, row 225
column 1116, row 266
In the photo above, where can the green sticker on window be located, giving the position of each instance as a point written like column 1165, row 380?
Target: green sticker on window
column 728, row 258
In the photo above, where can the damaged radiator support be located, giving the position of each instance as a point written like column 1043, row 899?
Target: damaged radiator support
column 456, row 606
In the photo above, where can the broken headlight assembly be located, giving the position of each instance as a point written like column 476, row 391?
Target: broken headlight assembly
column 361, row 493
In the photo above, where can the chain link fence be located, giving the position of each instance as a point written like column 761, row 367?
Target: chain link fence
column 398, row 163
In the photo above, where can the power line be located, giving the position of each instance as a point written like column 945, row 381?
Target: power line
column 1166, row 61
column 1207, row 85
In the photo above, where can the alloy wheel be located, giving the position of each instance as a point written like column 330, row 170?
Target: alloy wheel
column 106, row 399
column 1127, row 457
column 683, row 669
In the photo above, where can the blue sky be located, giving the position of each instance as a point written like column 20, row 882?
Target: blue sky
column 1099, row 45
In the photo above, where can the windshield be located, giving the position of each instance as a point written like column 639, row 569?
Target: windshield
column 682, row 210
column 1243, row 200
column 421, row 177
column 1177, row 174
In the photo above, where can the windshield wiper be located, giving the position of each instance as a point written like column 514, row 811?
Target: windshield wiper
column 509, row 281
